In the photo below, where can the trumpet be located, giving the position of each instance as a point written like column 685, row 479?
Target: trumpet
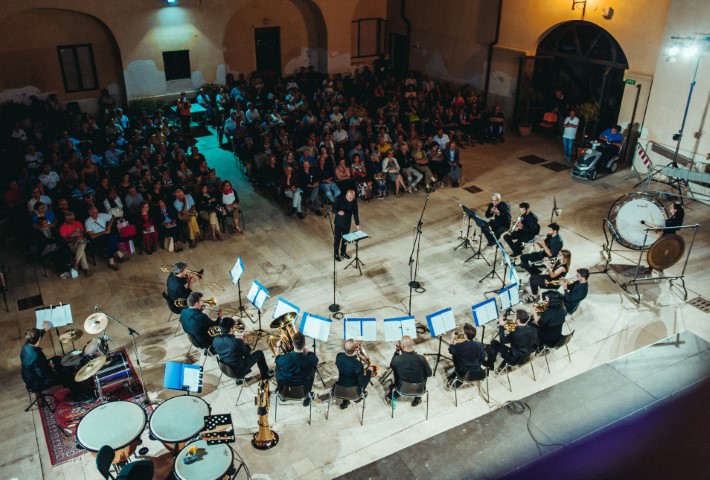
column 559, row 281
column 212, row 302
column 545, row 260
column 196, row 274
column 514, row 227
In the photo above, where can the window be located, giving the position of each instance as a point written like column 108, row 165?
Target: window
column 177, row 65
column 78, row 67
column 367, row 37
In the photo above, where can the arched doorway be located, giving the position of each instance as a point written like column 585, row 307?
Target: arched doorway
column 586, row 63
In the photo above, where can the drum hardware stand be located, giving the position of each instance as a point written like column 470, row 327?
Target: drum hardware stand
column 636, row 281
column 259, row 332
column 356, row 261
column 133, row 334
column 414, row 284
column 242, row 309
column 334, row 308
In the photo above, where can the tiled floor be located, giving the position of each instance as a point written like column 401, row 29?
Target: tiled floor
column 293, row 259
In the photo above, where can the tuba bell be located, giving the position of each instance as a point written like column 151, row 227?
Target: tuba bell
column 286, row 332
column 264, row 438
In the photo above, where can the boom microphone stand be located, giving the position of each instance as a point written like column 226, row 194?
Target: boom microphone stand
column 334, row 307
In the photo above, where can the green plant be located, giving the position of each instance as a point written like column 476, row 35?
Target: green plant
column 528, row 94
column 589, row 112
column 150, row 105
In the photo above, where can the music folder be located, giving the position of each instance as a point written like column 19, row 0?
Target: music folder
column 355, row 236
column 183, row 376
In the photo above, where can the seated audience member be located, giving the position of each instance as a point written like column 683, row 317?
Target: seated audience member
column 147, row 229
column 166, row 217
column 72, row 231
column 230, row 201
column 292, row 191
column 187, row 215
column 495, row 125
column 99, row 228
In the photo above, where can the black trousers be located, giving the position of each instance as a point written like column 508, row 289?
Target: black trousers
column 505, row 352
column 256, row 358
column 516, row 240
column 529, row 258
column 339, row 244
column 497, row 230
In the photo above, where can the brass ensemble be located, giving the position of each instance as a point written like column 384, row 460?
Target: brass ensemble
column 211, row 302
column 540, row 306
column 364, row 358
column 285, row 325
column 264, row 438
column 196, row 274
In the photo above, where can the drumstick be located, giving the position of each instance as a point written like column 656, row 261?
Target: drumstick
column 218, row 429
column 217, row 439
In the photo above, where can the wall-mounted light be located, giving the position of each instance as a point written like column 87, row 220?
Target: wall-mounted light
column 170, row 2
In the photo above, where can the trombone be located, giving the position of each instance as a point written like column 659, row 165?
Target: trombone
column 212, row 302
column 197, row 275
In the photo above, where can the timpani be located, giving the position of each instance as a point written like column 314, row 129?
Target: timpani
column 117, row 424
column 213, row 463
column 178, row 420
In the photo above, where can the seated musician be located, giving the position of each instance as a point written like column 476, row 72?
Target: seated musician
column 525, row 230
column 195, row 322
column 521, row 337
column 576, row 291
column 467, row 356
column 179, row 283
column 554, row 272
column 675, row 220
column 234, row 351
column 408, row 366
column 550, row 245
column 38, row 372
column 549, row 323
column 297, row 367
column 351, row 372
column 498, row 213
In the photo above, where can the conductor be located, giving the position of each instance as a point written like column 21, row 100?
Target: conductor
column 345, row 208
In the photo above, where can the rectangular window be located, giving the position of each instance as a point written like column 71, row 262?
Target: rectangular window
column 367, row 38
column 177, row 65
column 78, row 67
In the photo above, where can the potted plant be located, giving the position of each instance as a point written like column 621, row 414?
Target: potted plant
column 527, row 94
column 589, row 112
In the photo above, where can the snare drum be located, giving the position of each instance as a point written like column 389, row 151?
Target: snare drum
column 94, row 346
column 117, row 424
column 630, row 216
column 213, row 462
column 177, row 420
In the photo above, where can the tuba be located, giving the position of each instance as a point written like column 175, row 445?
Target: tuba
column 364, row 358
column 264, row 438
column 285, row 325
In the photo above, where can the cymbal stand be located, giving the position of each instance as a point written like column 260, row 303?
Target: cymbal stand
column 133, row 334
column 242, row 309
column 259, row 332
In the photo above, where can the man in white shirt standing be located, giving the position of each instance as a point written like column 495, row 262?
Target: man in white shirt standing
column 98, row 227
column 569, row 133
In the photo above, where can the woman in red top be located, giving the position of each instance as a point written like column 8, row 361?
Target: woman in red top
column 150, row 233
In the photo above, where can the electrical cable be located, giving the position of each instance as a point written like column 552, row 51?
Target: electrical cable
column 517, row 407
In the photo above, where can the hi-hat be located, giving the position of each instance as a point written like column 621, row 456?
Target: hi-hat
column 95, row 323
column 70, row 335
column 90, row 369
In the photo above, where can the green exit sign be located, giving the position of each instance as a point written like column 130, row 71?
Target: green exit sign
column 630, row 81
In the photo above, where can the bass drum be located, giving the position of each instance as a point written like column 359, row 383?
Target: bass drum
column 628, row 215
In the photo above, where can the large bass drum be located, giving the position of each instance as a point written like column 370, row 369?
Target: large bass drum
column 628, row 215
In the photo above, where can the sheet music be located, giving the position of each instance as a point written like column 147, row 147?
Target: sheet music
column 192, row 378
column 315, row 326
column 283, row 307
column 396, row 328
column 236, row 272
column 356, row 235
column 257, row 294
column 441, row 322
column 485, row 311
column 509, row 296
column 181, row 376
column 360, row 329
column 42, row 315
column 56, row 315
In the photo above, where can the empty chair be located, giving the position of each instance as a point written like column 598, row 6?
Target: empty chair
column 522, row 363
column 41, row 397
column 171, row 306
column 470, row 378
column 563, row 342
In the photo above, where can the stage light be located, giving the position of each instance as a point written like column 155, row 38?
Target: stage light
column 170, row 2
column 673, row 51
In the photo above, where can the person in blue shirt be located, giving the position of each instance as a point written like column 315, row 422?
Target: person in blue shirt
column 611, row 142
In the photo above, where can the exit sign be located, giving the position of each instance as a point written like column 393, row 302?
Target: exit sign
column 630, row 81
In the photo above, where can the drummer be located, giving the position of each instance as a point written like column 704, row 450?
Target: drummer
column 675, row 220
column 38, row 372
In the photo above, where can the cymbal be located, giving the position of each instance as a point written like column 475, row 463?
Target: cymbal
column 666, row 251
column 72, row 358
column 90, row 369
column 70, row 335
column 95, row 323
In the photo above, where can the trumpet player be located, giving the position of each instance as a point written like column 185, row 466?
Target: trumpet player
column 523, row 341
column 179, row 283
column 524, row 230
column 498, row 213
column 234, row 351
column 297, row 367
column 196, row 322
column 351, row 372
column 549, row 323
column 554, row 272
column 576, row 291
column 550, row 247
column 467, row 355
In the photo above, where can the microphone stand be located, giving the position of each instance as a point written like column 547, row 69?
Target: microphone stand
column 132, row 333
column 414, row 258
column 334, row 308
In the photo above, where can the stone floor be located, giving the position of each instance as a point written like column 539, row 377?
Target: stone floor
column 292, row 258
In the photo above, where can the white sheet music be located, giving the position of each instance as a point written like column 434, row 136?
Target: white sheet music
column 356, row 235
column 315, row 326
column 257, row 294
column 236, row 272
column 441, row 322
column 192, row 378
column 485, row 311
column 283, row 307
column 396, row 328
column 509, row 296
column 56, row 315
column 360, row 329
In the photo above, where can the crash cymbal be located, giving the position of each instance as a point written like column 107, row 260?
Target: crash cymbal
column 71, row 335
column 72, row 358
column 90, row 369
column 95, row 323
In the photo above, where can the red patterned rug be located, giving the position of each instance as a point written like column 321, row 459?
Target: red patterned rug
column 60, row 426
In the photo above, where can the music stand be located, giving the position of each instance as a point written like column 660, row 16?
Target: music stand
column 318, row 328
column 482, row 225
column 355, row 237
column 465, row 241
column 395, row 329
column 440, row 323
column 493, row 273
column 257, row 296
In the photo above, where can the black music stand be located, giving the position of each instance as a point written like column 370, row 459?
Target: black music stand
column 482, row 225
column 438, row 355
column 465, row 241
column 318, row 371
column 242, row 310
column 260, row 332
column 334, row 308
column 355, row 262
column 493, row 273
